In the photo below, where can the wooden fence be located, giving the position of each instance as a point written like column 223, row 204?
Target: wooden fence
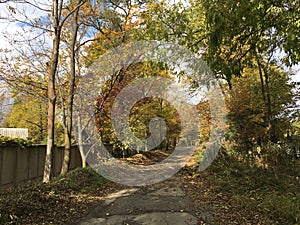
column 18, row 165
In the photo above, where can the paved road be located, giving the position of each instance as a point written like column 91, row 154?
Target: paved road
column 164, row 204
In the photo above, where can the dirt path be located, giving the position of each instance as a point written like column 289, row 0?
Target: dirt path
column 161, row 204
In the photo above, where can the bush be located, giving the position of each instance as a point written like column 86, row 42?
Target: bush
column 19, row 141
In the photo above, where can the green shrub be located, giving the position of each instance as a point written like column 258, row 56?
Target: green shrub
column 19, row 141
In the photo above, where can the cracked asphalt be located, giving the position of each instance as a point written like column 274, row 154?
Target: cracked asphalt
column 164, row 204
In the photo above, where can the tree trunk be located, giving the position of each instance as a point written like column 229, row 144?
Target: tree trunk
column 51, row 91
column 51, row 116
column 269, row 108
column 41, row 125
column 69, row 119
column 264, row 80
column 67, row 152
column 80, row 141
column 262, row 83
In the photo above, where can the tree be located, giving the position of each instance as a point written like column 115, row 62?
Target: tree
column 52, row 23
column 58, row 21
column 173, row 23
column 29, row 113
column 68, row 118
column 238, row 31
column 247, row 112
column 141, row 114
column 248, row 34
column 4, row 103
column 112, row 24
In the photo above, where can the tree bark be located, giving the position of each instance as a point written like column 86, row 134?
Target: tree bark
column 264, row 79
column 51, row 90
column 269, row 108
column 69, row 119
column 80, row 141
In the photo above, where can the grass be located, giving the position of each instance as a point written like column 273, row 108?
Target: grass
column 240, row 193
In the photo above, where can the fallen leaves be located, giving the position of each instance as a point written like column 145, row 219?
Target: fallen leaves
column 222, row 194
column 62, row 201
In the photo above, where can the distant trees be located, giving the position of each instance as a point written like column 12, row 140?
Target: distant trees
column 140, row 115
column 247, row 111
column 29, row 113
